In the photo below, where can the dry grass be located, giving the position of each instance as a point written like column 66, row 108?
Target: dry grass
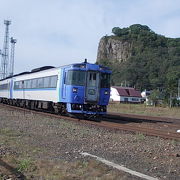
column 13, row 166
column 26, row 165
column 141, row 109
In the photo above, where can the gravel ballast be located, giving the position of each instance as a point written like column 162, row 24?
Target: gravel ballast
column 53, row 139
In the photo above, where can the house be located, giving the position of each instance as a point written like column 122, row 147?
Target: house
column 125, row 95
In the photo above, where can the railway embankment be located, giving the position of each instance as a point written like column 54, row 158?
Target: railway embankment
column 35, row 146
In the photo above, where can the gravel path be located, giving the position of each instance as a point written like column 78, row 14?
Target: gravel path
column 53, row 139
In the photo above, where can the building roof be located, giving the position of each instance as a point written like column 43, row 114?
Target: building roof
column 127, row 91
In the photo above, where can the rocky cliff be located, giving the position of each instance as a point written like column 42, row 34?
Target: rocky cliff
column 140, row 57
column 113, row 48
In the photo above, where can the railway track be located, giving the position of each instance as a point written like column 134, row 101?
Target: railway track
column 137, row 120
column 142, row 118
column 146, row 131
column 125, row 123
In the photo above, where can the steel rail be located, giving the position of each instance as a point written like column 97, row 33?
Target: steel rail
column 138, row 119
column 109, row 125
column 144, row 117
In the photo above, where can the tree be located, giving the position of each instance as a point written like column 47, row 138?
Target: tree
column 173, row 76
column 154, row 96
column 116, row 31
column 153, row 61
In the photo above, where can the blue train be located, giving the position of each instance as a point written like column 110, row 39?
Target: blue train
column 79, row 89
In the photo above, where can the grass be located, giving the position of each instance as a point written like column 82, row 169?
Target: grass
column 140, row 136
column 8, row 132
column 24, row 165
column 142, row 109
column 175, row 142
column 43, row 169
column 27, row 164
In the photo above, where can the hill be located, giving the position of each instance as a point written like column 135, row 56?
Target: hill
column 139, row 57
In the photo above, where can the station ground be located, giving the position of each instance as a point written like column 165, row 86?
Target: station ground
column 34, row 146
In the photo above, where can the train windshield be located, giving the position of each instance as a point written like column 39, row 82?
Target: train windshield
column 105, row 80
column 75, row 77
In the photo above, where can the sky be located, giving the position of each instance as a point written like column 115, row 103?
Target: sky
column 60, row 32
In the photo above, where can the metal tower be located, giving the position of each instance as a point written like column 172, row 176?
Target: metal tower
column 5, row 51
column 11, row 63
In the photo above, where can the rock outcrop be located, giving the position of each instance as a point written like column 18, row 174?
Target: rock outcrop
column 112, row 48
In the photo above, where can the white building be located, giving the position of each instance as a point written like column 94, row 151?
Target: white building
column 125, row 94
column 145, row 94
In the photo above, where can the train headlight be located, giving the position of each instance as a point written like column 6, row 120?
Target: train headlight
column 106, row 92
column 75, row 90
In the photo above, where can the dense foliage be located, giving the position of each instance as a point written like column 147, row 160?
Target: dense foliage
column 154, row 61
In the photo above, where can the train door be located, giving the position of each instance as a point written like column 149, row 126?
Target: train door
column 8, row 90
column 92, row 86
column 64, row 74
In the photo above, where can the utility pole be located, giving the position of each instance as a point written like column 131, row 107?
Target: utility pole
column 5, row 51
column 11, row 64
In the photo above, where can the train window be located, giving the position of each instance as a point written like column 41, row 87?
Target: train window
column 28, row 84
column 65, row 78
column 90, row 76
column 21, row 85
column 53, row 82
column 34, row 83
column 40, row 83
column 94, row 76
column 25, row 84
column 46, row 82
column 105, row 80
column 4, row 86
column 16, row 85
column 76, row 78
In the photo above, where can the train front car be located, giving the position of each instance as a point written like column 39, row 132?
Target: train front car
column 86, row 89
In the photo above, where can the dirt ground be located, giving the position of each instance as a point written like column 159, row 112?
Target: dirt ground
column 34, row 146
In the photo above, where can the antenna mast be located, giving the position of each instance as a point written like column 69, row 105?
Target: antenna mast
column 11, row 64
column 5, row 51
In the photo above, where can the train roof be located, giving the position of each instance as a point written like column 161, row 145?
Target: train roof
column 43, row 68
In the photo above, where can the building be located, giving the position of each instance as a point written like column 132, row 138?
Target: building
column 145, row 95
column 125, row 95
